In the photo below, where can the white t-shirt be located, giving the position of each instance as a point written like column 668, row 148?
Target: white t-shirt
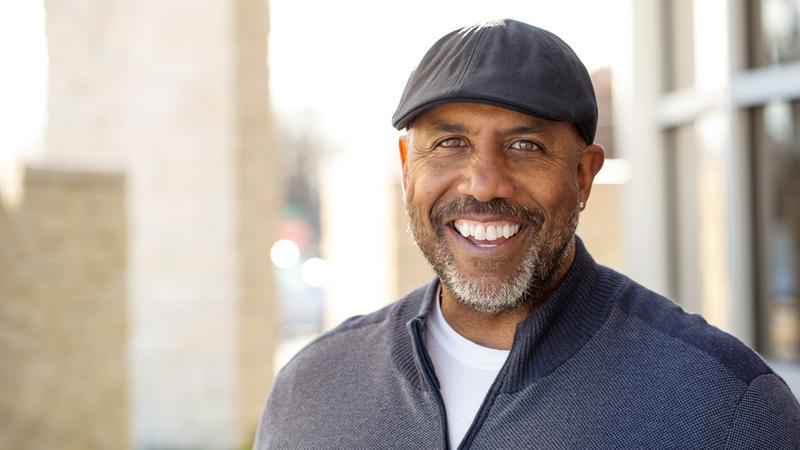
column 465, row 371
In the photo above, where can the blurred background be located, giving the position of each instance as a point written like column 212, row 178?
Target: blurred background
column 190, row 191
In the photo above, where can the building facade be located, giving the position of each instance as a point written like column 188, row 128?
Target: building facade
column 707, row 114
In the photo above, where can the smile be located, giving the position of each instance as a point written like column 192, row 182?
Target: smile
column 486, row 234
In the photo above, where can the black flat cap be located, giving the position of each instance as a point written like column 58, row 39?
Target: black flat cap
column 504, row 63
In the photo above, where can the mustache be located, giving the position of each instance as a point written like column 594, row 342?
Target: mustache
column 495, row 207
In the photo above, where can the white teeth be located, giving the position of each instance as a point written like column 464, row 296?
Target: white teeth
column 491, row 233
column 483, row 232
column 480, row 232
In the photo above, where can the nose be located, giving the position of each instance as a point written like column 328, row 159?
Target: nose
column 486, row 175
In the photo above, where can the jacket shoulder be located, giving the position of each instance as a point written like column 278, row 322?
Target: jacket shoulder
column 345, row 367
column 767, row 416
column 667, row 318
column 357, row 335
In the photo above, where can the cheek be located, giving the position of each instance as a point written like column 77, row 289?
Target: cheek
column 409, row 196
column 426, row 183
column 555, row 195
column 566, row 202
column 540, row 185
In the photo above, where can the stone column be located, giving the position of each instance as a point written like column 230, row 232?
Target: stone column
column 259, row 185
column 175, row 93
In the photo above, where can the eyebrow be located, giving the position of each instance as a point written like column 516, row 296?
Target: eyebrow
column 452, row 127
column 447, row 127
column 529, row 129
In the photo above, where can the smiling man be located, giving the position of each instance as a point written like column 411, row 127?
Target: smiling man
column 522, row 341
column 492, row 197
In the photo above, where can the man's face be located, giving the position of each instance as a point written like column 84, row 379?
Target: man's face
column 492, row 197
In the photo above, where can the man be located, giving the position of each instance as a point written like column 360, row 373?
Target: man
column 522, row 341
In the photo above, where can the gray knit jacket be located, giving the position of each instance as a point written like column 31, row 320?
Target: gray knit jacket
column 604, row 364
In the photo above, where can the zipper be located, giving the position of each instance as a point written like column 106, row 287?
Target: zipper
column 480, row 417
column 488, row 401
column 431, row 379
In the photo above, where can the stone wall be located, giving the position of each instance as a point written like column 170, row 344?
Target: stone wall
column 63, row 326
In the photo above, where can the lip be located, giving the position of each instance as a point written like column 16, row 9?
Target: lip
column 484, row 218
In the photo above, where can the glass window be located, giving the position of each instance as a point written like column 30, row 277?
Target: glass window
column 776, row 32
column 777, row 201
column 695, row 153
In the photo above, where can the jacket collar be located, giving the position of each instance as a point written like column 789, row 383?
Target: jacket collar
column 554, row 331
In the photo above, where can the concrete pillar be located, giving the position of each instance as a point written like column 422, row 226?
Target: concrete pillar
column 175, row 93
column 259, row 194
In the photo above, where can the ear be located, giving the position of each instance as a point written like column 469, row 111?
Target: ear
column 403, row 146
column 590, row 162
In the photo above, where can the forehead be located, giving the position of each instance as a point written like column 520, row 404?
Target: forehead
column 475, row 118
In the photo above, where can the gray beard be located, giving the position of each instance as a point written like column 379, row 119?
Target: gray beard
column 488, row 295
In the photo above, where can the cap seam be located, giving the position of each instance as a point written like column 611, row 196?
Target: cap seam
column 472, row 58
column 438, row 70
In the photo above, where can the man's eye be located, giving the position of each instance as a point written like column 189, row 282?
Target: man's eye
column 526, row 146
column 453, row 143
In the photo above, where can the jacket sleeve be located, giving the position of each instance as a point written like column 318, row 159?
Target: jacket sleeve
column 274, row 415
column 767, row 417
column 263, row 438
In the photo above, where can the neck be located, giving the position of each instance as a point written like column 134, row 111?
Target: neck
column 497, row 330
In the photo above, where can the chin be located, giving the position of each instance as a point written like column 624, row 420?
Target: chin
column 491, row 295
